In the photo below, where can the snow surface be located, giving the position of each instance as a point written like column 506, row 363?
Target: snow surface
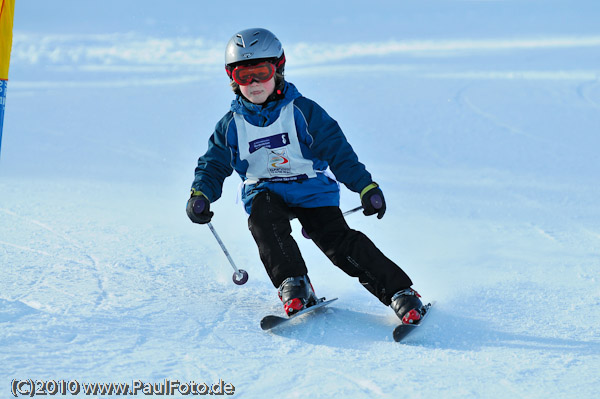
column 480, row 120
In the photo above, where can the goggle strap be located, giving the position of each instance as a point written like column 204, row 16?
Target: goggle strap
column 280, row 61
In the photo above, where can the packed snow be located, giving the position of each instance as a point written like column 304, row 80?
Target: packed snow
column 479, row 119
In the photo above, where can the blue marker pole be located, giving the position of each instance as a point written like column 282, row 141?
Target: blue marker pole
column 3, row 84
column 7, row 12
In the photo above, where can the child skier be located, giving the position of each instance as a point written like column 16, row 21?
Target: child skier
column 282, row 145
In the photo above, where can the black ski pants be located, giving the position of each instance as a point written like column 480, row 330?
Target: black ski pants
column 348, row 249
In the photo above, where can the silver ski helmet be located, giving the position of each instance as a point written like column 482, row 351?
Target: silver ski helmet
column 251, row 46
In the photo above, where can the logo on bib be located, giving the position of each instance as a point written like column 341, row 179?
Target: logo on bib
column 279, row 162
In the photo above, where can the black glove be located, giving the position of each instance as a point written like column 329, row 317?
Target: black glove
column 372, row 200
column 198, row 208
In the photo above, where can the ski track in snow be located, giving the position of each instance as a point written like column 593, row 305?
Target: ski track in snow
column 584, row 90
column 91, row 264
column 463, row 99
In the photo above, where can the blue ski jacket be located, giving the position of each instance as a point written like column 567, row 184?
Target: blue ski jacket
column 321, row 141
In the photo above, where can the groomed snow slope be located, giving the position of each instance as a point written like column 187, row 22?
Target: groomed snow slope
column 480, row 120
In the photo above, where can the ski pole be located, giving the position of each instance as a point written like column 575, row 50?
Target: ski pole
column 240, row 277
column 351, row 211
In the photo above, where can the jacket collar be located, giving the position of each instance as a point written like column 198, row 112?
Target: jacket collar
column 242, row 106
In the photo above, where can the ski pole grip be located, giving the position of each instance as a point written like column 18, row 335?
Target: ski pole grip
column 376, row 201
column 199, row 205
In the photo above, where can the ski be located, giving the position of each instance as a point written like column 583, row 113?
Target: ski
column 272, row 321
column 401, row 331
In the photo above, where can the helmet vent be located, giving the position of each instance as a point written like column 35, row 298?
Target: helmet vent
column 240, row 40
column 241, row 43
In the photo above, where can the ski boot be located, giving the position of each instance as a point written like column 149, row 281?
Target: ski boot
column 296, row 293
column 408, row 306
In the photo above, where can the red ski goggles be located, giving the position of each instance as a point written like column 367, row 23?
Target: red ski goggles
column 246, row 74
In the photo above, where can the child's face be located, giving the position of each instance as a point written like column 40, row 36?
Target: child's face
column 257, row 93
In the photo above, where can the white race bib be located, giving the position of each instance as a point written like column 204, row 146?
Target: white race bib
column 273, row 152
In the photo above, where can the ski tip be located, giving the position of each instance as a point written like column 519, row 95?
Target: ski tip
column 268, row 322
column 272, row 321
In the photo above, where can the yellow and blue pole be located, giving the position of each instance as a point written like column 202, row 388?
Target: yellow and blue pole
column 7, row 12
